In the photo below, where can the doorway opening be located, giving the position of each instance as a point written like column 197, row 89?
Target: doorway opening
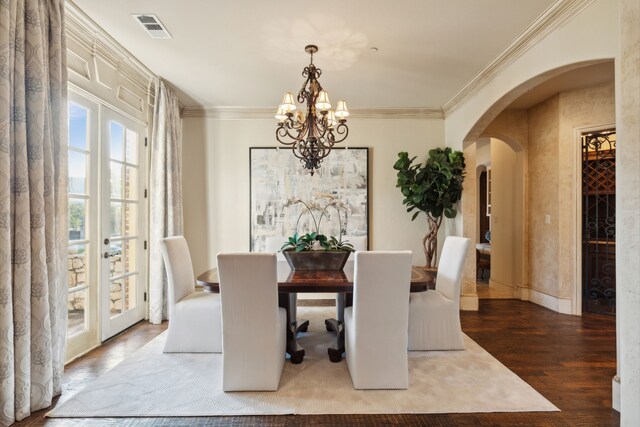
column 599, row 222
column 500, row 222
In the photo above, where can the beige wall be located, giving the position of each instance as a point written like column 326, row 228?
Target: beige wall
column 506, row 214
column 626, row 386
column 584, row 108
column 216, row 180
column 544, row 128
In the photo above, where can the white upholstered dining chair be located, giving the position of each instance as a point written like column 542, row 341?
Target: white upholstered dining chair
column 376, row 324
column 434, row 315
column 253, row 326
column 195, row 324
column 273, row 245
column 359, row 243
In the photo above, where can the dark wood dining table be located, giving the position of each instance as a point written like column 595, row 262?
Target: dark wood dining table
column 316, row 281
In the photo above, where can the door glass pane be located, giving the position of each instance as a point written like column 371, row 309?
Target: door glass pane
column 131, row 219
column 115, row 219
column 77, row 263
column 132, row 147
column 116, row 135
column 116, row 297
column 130, row 293
column 77, row 172
column 131, row 183
column 116, row 180
column 115, row 259
column 78, row 126
column 77, row 219
column 77, row 321
column 130, row 256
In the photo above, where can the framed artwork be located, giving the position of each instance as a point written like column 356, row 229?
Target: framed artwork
column 277, row 176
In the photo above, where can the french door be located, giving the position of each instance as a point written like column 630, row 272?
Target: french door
column 107, row 222
column 123, row 271
column 83, row 261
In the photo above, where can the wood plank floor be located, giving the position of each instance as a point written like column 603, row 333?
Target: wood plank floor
column 568, row 359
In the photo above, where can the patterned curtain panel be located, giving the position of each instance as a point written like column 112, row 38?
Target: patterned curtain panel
column 165, row 192
column 33, row 205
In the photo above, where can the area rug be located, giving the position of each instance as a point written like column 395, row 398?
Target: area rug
column 153, row 384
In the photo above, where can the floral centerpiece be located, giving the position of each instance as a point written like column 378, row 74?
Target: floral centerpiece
column 312, row 250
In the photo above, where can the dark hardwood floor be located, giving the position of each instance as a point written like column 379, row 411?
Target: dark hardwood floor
column 568, row 359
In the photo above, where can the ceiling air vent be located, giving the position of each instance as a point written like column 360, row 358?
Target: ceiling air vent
column 153, row 26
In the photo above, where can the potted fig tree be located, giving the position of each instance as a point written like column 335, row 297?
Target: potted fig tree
column 433, row 189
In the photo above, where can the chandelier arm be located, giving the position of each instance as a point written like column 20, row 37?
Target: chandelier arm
column 282, row 131
column 342, row 129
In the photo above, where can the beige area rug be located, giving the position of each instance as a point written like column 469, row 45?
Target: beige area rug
column 154, row 384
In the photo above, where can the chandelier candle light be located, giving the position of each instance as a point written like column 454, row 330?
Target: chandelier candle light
column 313, row 135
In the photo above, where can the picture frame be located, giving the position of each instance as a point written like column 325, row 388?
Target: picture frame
column 277, row 176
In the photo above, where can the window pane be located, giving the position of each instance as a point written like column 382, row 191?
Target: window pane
column 77, row 265
column 116, row 135
column 115, row 219
column 130, row 296
column 77, row 321
column 132, row 147
column 131, row 219
column 115, row 180
column 116, row 298
column 77, row 172
column 130, row 256
column 77, row 219
column 115, row 258
column 78, row 126
column 131, row 183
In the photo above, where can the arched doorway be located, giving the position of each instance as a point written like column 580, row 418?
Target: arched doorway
column 541, row 133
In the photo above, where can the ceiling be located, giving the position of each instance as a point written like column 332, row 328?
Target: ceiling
column 574, row 79
column 246, row 53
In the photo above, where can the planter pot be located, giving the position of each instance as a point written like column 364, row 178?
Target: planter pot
column 316, row 260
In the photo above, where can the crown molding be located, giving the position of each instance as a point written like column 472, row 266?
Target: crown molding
column 239, row 113
column 553, row 18
column 95, row 39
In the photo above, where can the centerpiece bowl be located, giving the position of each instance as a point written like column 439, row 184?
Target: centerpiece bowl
column 316, row 260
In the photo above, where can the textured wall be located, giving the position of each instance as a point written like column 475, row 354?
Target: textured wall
column 554, row 183
column 544, row 128
column 594, row 106
column 628, row 205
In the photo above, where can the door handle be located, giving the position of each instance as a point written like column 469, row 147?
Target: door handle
column 106, row 255
column 106, row 241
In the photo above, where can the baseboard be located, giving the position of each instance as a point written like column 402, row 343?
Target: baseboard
column 316, row 296
column 560, row 305
column 615, row 393
column 501, row 287
column 316, row 302
column 469, row 302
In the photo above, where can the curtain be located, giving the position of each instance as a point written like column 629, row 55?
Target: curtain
column 165, row 192
column 33, row 205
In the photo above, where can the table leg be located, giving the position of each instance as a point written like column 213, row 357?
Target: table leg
column 293, row 327
column 342, row 300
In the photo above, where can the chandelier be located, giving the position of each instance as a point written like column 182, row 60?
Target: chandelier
column 312, row 135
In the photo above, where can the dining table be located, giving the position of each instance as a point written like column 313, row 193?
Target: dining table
column 316, row 281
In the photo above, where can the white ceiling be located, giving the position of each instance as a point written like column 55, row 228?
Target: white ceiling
column 246, row 53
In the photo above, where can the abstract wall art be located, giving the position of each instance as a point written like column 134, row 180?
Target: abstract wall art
column 277, row 176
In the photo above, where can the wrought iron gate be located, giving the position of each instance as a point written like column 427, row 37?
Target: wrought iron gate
column 599, row 222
